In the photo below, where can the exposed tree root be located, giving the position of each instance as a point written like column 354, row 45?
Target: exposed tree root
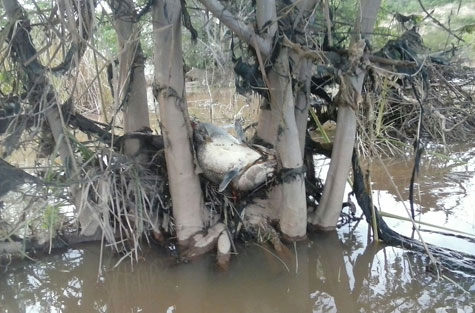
column 224, row 251
column 202, row 242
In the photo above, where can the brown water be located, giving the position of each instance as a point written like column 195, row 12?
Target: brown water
column 444, row 196
column 332, row 272
column 335, row 272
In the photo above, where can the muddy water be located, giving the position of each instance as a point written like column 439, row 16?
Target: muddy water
column 333, row 272
column 444, row 196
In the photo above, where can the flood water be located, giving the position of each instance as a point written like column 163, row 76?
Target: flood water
column 340, row 271
column 330, row 272
column 336, row 272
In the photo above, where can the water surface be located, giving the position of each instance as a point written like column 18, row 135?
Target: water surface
column 336, row 271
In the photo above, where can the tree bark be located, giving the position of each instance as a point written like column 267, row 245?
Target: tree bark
column 267, row 124
column 302, row 98
column 283, row 124
column 277, row 121
column 326, row 216
column 131, row 87
column 293, row 211
column 245, row 32
column 176, row 128
column 369, row 13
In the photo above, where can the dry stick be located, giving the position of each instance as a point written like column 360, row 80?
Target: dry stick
column 286, row 10
column 455, row 284
column 261, row 66
column 79, row 38
column 84, row 93
column 103, row 106
column 101, row 253
column 374, row 220
column 58, row 107
column 451, row 86
column 273, row 254
column 390, row 215
column 264, row 75
column 310, row 18
column 39, row 52
column 50, row 25
column 244, row 31
column 122, row 90
column 64, row 136
column 303, row 51
column 319, row 56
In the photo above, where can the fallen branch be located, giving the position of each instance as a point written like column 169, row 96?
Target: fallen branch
column 451, row 259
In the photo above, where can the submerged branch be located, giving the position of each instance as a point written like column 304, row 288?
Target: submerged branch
column 451, row 259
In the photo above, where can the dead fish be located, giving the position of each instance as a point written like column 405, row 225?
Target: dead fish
column 225, row 159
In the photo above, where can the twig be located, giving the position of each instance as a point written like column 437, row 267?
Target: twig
column 273, row 254
column 438, row 23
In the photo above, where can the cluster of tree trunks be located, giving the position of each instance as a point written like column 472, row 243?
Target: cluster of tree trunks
column 284, row 62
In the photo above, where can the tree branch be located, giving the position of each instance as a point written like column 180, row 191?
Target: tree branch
column 437, row 22
column 83, row 21
column 244, row 31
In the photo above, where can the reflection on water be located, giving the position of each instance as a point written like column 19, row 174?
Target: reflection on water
column 444, row 196
column 335, row 272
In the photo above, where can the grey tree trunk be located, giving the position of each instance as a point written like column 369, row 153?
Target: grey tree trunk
column 302, row 98
column 169, row 90
column 326, row 216
column 131, row 85
column 283, row 123
column 267, row 124
column 278, row 120
column 293, row 211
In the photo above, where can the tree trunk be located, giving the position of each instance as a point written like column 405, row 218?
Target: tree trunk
column 293, row 211
column 132, row 90
column 176, row 129
column 278, row 119
column 326, row 216
column 302, row 98
column 283, row 124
